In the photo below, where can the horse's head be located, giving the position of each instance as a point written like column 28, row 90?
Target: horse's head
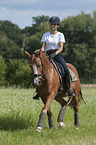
column 36, row 66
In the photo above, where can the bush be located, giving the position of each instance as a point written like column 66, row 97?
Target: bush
column 2, row 71
column 18, row 72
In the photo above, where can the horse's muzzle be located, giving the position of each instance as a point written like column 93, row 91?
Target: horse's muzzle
column 37, row 81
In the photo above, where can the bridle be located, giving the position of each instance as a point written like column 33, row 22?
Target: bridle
column 43, row 71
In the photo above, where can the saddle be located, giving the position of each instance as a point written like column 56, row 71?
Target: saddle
column 60, row 70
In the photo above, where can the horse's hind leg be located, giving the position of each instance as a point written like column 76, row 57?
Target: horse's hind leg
column 76, row 119
column 50, row 119
column 76, row 113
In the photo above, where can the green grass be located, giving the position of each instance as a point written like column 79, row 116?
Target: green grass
column 19, row 116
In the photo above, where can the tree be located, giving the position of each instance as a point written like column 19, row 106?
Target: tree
column 12, row 31
column 37, row 21
column 8, row 48
column 40, row 19
column 34, row 41
column 80, row 48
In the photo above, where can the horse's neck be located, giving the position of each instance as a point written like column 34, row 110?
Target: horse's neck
column 45, row 60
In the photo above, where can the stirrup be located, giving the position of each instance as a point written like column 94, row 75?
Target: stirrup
column 71, row 93
column 59, row 91
column 36, row 97
column 61, row 88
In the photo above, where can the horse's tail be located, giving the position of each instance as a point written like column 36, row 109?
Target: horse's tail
column 81, row 97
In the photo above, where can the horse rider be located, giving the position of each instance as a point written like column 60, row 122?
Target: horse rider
column 52, row 43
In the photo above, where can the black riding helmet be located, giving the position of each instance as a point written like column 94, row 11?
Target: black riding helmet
column 54, row 20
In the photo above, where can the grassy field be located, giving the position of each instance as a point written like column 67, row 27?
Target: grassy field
column 19, row 116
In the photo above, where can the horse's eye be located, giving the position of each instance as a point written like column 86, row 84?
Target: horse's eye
column 38, row 66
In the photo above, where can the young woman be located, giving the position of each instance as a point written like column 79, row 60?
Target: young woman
column 52, row 43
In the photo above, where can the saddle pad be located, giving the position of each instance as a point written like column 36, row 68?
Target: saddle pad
column 60, row 71
column 72, row 76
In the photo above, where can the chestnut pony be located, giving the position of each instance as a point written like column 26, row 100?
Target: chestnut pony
column 47, row 84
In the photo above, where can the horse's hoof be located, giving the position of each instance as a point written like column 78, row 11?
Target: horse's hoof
column 38, row 129
column 76, row 128
column 61, row 124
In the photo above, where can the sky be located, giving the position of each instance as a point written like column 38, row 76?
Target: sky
column 20, row 12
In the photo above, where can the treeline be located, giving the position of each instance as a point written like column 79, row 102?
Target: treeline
column 80, row 47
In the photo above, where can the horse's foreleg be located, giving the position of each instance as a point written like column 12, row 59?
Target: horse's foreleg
column 50, row 119
column 61, row 116
column 41, row 121
column 42, row 116
column 62, row 111
column 48, row 102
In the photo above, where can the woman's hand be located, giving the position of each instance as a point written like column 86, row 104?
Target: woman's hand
column 52, row 55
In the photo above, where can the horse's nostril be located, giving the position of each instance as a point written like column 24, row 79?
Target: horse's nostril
column 37, row 81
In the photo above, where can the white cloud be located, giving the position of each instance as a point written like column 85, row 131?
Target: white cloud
column 81, row 1
column 24, row 18
column 3, row 9
column 18, row 1
column 22, row 11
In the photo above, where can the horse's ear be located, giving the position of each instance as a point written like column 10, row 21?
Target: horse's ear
column 27, row 54
column 40, row 51
column 37, row 52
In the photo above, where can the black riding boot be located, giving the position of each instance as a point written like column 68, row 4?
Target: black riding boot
column 67, row 81
column 36, row 97
column 61, row 88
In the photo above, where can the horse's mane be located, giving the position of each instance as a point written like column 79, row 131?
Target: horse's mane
column 45, row 57
column 45, row 54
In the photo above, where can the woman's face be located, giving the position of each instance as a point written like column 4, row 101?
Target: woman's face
column 53, row 26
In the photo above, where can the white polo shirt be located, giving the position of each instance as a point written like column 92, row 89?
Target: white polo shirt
column 52, row 41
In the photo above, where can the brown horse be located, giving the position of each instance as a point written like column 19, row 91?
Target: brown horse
column 47, row 84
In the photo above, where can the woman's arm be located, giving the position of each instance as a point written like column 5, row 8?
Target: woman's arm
column 43, row 46
column 60, row 48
